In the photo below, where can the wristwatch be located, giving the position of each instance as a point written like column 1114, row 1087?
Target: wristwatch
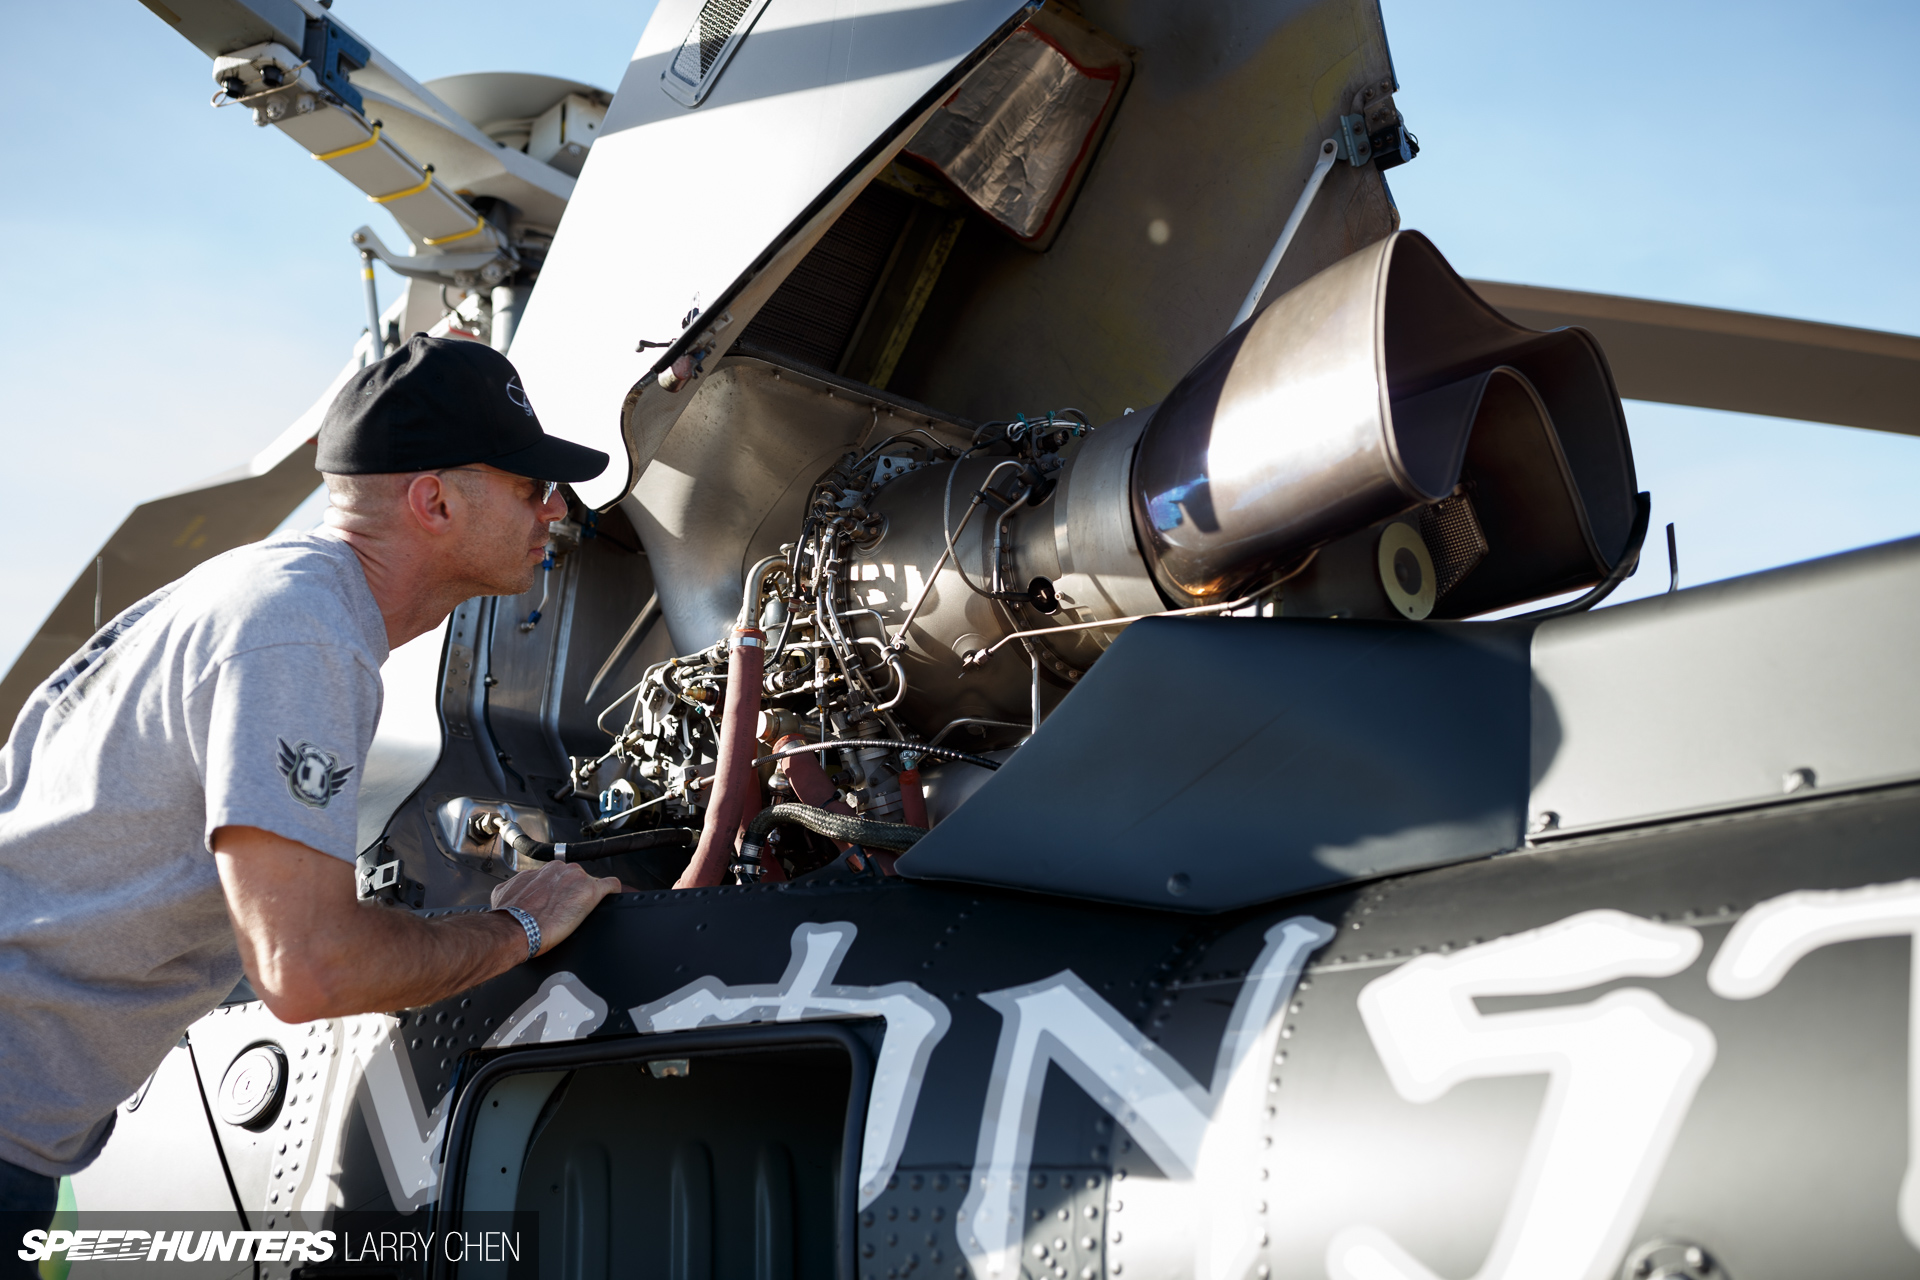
column 528, row 923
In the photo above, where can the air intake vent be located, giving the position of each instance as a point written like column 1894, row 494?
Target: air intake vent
column 711, row 42
column 813, row 314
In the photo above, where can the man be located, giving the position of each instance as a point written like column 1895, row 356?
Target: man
column 177, row 804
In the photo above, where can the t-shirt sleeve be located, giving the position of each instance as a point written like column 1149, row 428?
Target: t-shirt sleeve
column 287, row 732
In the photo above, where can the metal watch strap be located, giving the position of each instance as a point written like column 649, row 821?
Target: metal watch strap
column 528, row 923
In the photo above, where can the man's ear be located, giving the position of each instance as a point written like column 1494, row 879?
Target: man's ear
column 431, row 501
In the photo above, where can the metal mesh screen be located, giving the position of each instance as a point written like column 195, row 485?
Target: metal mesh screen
column 1454, row 539
column 717, row 21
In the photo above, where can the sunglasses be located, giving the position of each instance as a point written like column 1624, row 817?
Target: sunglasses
column 540, row 493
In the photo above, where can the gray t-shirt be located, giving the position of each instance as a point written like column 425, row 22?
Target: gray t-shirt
column 246, row 693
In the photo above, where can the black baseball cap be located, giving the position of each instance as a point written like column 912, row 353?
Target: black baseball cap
column 444, row 402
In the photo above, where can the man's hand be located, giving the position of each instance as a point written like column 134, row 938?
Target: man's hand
column 558, row 895
column 312, row 951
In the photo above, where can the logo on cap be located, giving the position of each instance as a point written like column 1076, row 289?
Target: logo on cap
column 518, row 394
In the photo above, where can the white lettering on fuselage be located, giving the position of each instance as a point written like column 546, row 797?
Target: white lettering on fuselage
column 1208, row 1136
column 915, row 1022
column 1623, row 1071
column 1776, row 935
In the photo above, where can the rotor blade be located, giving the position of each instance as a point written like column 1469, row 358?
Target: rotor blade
column 162, row 539
column 1736, row 360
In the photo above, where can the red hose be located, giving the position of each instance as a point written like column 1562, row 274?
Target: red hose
column 913, row 801
column 735, row 785
column 811, row 786
column 810, row 783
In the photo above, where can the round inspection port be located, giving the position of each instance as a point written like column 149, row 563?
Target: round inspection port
column 1406, row 570
column 254, row 1086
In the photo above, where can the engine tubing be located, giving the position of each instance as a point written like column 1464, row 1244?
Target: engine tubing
column 809, row 780
column 734, row 781
column 893, row 836
column 771, row 872
column 811, row 786
column 913, row 801
column 611, row 846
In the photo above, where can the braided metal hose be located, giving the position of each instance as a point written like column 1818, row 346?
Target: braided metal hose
column 896, row 836
column 844, row 827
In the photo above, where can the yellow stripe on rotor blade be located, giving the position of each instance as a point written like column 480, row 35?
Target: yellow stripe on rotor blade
column 351, row 147
column 424, row 183
column 474, row 230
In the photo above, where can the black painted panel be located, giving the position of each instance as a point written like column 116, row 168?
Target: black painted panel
column 1209, row 764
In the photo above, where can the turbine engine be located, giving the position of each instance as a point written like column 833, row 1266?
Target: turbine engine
column 1377, row 443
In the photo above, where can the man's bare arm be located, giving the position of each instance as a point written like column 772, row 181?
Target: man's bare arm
column 312, row 951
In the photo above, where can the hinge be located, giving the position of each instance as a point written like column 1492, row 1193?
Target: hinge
column 334, row 56
column 1375, row 133
column 378, row 875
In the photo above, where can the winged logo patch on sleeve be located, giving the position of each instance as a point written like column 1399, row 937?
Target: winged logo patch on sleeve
column 313, row 776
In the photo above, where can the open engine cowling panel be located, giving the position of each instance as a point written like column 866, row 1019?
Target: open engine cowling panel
column 901, row 486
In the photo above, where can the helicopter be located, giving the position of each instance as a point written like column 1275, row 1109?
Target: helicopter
column 1081, row 826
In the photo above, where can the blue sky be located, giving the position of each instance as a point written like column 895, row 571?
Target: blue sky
column 183, row 286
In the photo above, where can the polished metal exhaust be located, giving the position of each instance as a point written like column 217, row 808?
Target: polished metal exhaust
column 1380, row 386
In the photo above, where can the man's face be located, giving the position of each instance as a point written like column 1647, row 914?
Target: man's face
column 506, row 534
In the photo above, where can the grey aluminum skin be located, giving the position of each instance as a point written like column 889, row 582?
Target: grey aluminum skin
column 1793, row 682
column 1357, row 396
column 730, row 484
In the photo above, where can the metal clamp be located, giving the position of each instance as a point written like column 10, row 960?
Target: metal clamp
column 383, row 876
